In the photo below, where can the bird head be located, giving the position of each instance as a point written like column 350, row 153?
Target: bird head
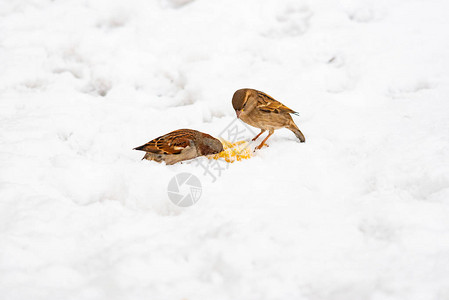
column 210, row 145
column 240, row 101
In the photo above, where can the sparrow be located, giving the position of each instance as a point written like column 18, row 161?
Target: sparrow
column 262, row 111
column 180, row 145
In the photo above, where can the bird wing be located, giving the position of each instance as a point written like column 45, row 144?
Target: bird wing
column 267, row 104
column 171, row 143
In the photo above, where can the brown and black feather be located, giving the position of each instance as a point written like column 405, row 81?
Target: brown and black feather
column 179, row 145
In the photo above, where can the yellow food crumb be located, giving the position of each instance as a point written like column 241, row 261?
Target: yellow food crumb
column 233, row 151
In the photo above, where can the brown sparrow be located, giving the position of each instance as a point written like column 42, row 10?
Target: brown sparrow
column 179, row 145
column 262, row 111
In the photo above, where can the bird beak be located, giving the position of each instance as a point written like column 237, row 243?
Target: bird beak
column 238, row 112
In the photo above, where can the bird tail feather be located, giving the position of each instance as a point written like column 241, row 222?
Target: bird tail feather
column 297, row 132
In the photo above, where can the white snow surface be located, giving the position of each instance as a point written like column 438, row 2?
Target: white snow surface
column 359, row 211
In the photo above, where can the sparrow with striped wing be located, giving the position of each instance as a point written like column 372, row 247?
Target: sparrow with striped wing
column 180, row 145
column 262, row 111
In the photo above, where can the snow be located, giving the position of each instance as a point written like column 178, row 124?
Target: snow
column 357, row 212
